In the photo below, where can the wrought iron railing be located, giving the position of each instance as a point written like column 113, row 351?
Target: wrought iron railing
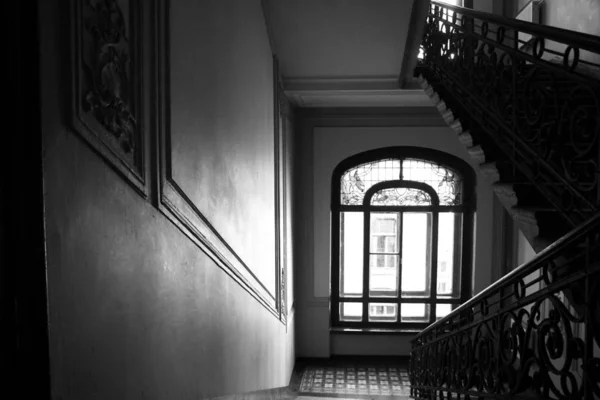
column 530, row 93
column 533, row 91
column 521, row 338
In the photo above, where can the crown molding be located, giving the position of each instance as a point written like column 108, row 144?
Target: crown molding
column 359, row 98
column 341, row 83
column 369, row 116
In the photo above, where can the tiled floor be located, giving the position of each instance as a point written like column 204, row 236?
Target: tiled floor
column 372, row 380
column 375, row 378
column 340, row 378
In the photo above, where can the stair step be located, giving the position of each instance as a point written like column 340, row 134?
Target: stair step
column 466, row 139
column 489, row 170
column 457, row 126
column 477, row 153
column 503, row 186
column 523, row 214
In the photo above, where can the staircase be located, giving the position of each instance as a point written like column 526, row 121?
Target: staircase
column 524, row 100
column 529, row 116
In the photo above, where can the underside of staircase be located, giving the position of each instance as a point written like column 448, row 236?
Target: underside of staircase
column 540, row 222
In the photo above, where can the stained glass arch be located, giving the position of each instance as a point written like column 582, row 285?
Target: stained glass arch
column 400, row 196
column 357, row 180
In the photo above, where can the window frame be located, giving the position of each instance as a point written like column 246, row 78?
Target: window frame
column 466, row 209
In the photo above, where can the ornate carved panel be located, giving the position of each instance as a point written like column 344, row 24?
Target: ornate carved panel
column 107, row 82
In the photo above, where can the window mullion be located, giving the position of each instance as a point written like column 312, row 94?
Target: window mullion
column 457, row 259
column 338, row 221
column 466, row 261
column 433, row 248
column 366, row 266
column 399, row 252
column 401, row 169
column 400, row 249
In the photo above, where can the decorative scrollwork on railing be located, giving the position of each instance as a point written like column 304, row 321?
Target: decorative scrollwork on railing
column 538, row 99
column 535, row 333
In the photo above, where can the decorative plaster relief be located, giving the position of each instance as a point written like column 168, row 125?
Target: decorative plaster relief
column 107, row 82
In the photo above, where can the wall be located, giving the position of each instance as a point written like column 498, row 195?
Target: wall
column 484, row 6
column 137, row 309
column 324, row 146
column 524, row 251
column 223, row 119
column 575, row 15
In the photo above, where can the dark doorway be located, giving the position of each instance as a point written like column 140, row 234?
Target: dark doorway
column 24, row 344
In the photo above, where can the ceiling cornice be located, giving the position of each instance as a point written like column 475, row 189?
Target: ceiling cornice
column 359, row 98
column 371, row 116
column 341, row 83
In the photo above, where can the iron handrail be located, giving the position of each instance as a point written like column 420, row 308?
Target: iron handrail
column 534, row 328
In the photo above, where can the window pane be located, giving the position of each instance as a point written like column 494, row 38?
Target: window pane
column 449, row 240
column 416, row 254
column 416, row 312
column 351, row 254
column 387, row 244
column 384, row 233
column 382, row 312
column 383, row 275
column 383, row 268
column 351, row 312
column 384, row 224
column 441, row 310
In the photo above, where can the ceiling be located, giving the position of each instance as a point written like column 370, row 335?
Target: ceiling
column 347, row 52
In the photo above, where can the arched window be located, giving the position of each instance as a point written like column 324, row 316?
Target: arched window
column 402, row 238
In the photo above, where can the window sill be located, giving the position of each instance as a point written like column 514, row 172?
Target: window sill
column 374, row 331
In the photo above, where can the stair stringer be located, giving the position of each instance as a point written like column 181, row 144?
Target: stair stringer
column 525, row 219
